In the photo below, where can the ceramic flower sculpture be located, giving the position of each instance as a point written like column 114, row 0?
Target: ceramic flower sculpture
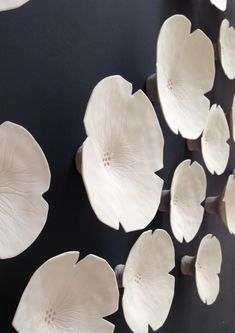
column 205, row 266
column 24, row 178
column 65, row 295
column 183, row 200
column 220, row 4
column 185, row 72
column 147, row 282
column 227, row 48
column 122, row 152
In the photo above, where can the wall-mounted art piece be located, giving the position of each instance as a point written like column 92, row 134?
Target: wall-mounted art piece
column 122, row 152
column 183, row 200
column 11, row 4
column 224, row 204
column 220, row 4
column 65, row 295
column 227, row 48
column 206, row 267
column 24, row 178
column 147, row 282
column 185, row 72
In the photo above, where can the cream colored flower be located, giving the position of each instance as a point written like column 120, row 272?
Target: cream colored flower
column 188, row 191
column 185, row 73
column 67, row 296
column 220, row 4
column 121, row 154
column 215, row 149
column 24, row 177
column 148, row 286
column 227, row 48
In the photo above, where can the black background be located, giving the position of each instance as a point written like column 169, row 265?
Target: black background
column 52, row 54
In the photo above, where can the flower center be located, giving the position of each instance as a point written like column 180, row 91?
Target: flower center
column 138, row 278
column 106, row 159
column 49, row 316
column 169, row 84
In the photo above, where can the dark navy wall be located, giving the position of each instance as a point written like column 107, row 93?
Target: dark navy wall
column 52, row 53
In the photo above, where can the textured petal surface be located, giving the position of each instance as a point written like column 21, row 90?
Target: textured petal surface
column 214, row 141
column 208, row 265
column 183, row 76
column 11, row 4
column 227, row 48
column 123, row 150
column 220, row 4
column 66, row 296
column 24, row 177
column 229, row 199
column 149, row 288
column 188, row 190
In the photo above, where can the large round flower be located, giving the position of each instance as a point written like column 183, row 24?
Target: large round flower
column 188, row 190
column 214, row 141
column 220, row 4
column 227, row 48
column 185, row 73
column 149, row 288
column 65, row 295
column 24, row 177
column 11, row 4
column 207, row 268
column 123, row 150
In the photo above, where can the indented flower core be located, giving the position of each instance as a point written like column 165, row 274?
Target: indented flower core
column 49, row 316
column 169, row 84
column 138, row 278
column 106, row 159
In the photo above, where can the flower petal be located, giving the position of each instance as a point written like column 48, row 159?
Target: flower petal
column 149, row 289
column 11, row 4
column 67, row 296
column 118, row 193
column 214, row 141
column 208, row 266
column 220, row 4
column 184, row 78
column 25, row 176
column 233, row 118
column 229, row 200
column 188, row 190
column 227, row 48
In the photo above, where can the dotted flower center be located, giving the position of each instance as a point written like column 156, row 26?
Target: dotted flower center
column 106, row 159
column 138, row 278
column 50, row 316
column 169, row 84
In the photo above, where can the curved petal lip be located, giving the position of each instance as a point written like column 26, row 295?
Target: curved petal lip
column 65, row 294
column 207, row 268
column 123, row 150
column 183, row 79
column 214, row 141
column 220, row 4
column 188, row 191
column 227, row 48
column 148, row 284
column 25, row 177
column 11, row 4
column 228, row 200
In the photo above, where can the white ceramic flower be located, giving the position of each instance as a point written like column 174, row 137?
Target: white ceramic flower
column 121, row 154
column 228, row 213
column 67, row 296
column 220, row 4
column 24, row 177
column 215, row 149
column 227, row 48
column 11, row 4
column 188, row 190
column 149, row 288
column 207, row 268
column 185, row 73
